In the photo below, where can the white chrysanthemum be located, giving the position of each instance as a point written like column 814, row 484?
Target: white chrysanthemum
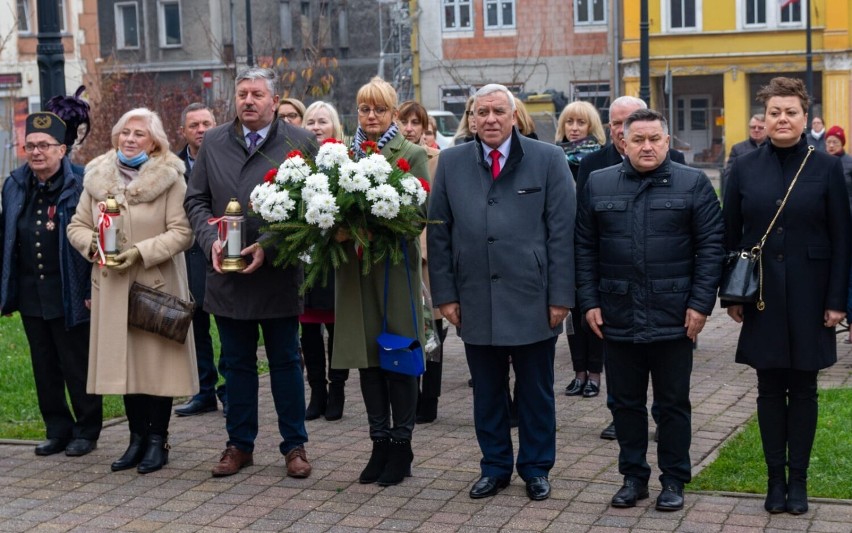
column 293, row 170
column 324, row 202
column 383, row 192
column 410, row 185
column 352, row 179
column 332, row 155
column 276, row 206
column 260, row 194
column 375, row 167
column 421, row 196
column 318, row 217
column 385, row 209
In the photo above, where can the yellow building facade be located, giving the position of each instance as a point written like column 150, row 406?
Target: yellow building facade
column 720, row 52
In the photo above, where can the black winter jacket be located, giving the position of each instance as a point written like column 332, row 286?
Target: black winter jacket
column 647, row 248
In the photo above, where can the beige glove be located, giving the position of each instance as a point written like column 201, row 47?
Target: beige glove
column 93, row 248
column 127, row 258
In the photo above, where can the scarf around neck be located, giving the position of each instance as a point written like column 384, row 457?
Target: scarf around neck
column 360, row 137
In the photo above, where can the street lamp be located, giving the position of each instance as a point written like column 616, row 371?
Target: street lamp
column 50, row 54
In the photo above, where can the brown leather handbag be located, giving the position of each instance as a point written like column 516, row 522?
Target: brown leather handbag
column 159, row 312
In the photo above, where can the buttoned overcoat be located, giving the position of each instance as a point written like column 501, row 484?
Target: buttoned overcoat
column 123, row 359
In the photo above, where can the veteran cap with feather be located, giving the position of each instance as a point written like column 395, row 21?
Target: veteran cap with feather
column 46, row 122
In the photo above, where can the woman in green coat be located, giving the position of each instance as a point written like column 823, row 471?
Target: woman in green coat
column 389, row 397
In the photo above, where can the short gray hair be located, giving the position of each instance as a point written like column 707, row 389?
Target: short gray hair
column 629, row 101
column 257, row 73
column 492, row 88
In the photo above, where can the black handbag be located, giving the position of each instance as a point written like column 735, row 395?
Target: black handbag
column 398, row 353
column 742, row 273
column 159, row 312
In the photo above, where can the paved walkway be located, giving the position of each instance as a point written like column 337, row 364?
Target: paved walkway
column 63, row 494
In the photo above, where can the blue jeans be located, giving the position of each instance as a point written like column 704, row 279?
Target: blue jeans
column 239, row 355
column 207, row 374
column 669, row 363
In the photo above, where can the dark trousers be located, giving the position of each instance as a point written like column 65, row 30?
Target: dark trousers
column 533, row 366
column 239, row 354
column 207, row 374
column 389, row 395
column 787, row 408
column 314, row 350
column 430, row 381
column 669, row 364
column 147, row 414
column 586, row 347
column 60, row 360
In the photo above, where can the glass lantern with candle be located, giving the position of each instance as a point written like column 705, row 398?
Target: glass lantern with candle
column 109, row 226
column 232, row 231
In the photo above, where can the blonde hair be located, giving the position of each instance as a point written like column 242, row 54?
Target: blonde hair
column 297, row 105
column 152, row 121
column 464, row 124
column 377, row 92
column 526, row 125
column 585, row 111
column 332, row 112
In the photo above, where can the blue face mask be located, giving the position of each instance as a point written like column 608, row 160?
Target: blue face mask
column 133, row 161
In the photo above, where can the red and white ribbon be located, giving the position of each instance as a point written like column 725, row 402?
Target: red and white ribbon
column 104, row 222
column 222, row 228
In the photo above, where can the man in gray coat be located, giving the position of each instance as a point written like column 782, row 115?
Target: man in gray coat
column 501, row 265
column 234, row 159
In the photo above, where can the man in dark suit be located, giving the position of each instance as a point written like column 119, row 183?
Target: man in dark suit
column 609, row 155
column 756, row 137
column 195, row 120
column 501, row 267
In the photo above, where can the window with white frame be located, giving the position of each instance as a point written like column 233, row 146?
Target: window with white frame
column 126, row 25
column 23, row 14
column 791, row 12
column 168, row 12
column 589, row 12
column 456, row 15
column 755, row 12
column 499, row 14
column 683, row 14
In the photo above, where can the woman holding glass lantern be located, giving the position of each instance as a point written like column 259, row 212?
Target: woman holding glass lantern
column 131, row 221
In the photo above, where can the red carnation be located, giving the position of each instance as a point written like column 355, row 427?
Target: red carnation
column 369, row 147
column 403, row 165
column 295, row 153
column 270, row 175
column 425, row 185
column 331, row 140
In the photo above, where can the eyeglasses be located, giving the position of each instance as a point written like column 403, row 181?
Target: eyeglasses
column 291, row 116
column 42, row 147
column 365, row 111
column 757, row 128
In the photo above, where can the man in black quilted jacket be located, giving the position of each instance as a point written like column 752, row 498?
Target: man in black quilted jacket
column 649, row 252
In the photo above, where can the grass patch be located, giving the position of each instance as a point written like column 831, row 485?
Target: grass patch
column 740, row 466
column 19, row 414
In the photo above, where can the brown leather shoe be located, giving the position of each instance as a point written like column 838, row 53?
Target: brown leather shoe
column 232, row 460
column 297, row 463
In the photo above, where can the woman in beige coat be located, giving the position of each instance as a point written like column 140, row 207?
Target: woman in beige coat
column 146, row 180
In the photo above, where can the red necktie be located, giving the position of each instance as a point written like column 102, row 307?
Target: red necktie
column 495, row 163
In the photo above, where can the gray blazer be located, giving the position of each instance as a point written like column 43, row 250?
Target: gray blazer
column 504, row 248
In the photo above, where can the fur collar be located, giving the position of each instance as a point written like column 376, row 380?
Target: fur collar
column 155, row 177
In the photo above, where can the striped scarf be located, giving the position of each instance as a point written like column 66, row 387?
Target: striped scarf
column 360, row 137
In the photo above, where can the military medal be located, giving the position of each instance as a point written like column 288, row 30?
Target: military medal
column 50, row 225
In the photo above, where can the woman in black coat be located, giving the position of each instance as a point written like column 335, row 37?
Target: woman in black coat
column 806, row 262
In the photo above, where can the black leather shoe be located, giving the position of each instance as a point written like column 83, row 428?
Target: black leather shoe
column 609, row 432
column 51, row 446
column 575, row 388
column 80, row 447
column 538, row 488
column 132, row 455
column 629, row 493
column 196, row 406
column 156, row 454
column 488, row 486
column 671, row 499
column 591, row 389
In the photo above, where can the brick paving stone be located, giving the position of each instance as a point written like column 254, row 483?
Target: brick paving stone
column 831, row 527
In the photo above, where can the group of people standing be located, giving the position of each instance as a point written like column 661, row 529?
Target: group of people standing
column 623, row 233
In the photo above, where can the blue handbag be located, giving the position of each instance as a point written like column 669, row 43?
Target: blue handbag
column 403, row 355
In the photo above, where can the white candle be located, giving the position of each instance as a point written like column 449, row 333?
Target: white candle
column 234, row 241
column 109, row 239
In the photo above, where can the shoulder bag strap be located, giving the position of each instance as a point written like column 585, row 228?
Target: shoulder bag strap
column 410, row 293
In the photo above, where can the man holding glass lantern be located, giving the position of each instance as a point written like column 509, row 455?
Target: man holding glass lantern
column 245, row 292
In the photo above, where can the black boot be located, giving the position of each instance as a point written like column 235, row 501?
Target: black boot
column 776, row 490
column 156, row 454
column 797, row 492
column 132, row 455
column 317, row 405
column 398, row 466
column 427, row 410
column 377, row 462
column 336, row 399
